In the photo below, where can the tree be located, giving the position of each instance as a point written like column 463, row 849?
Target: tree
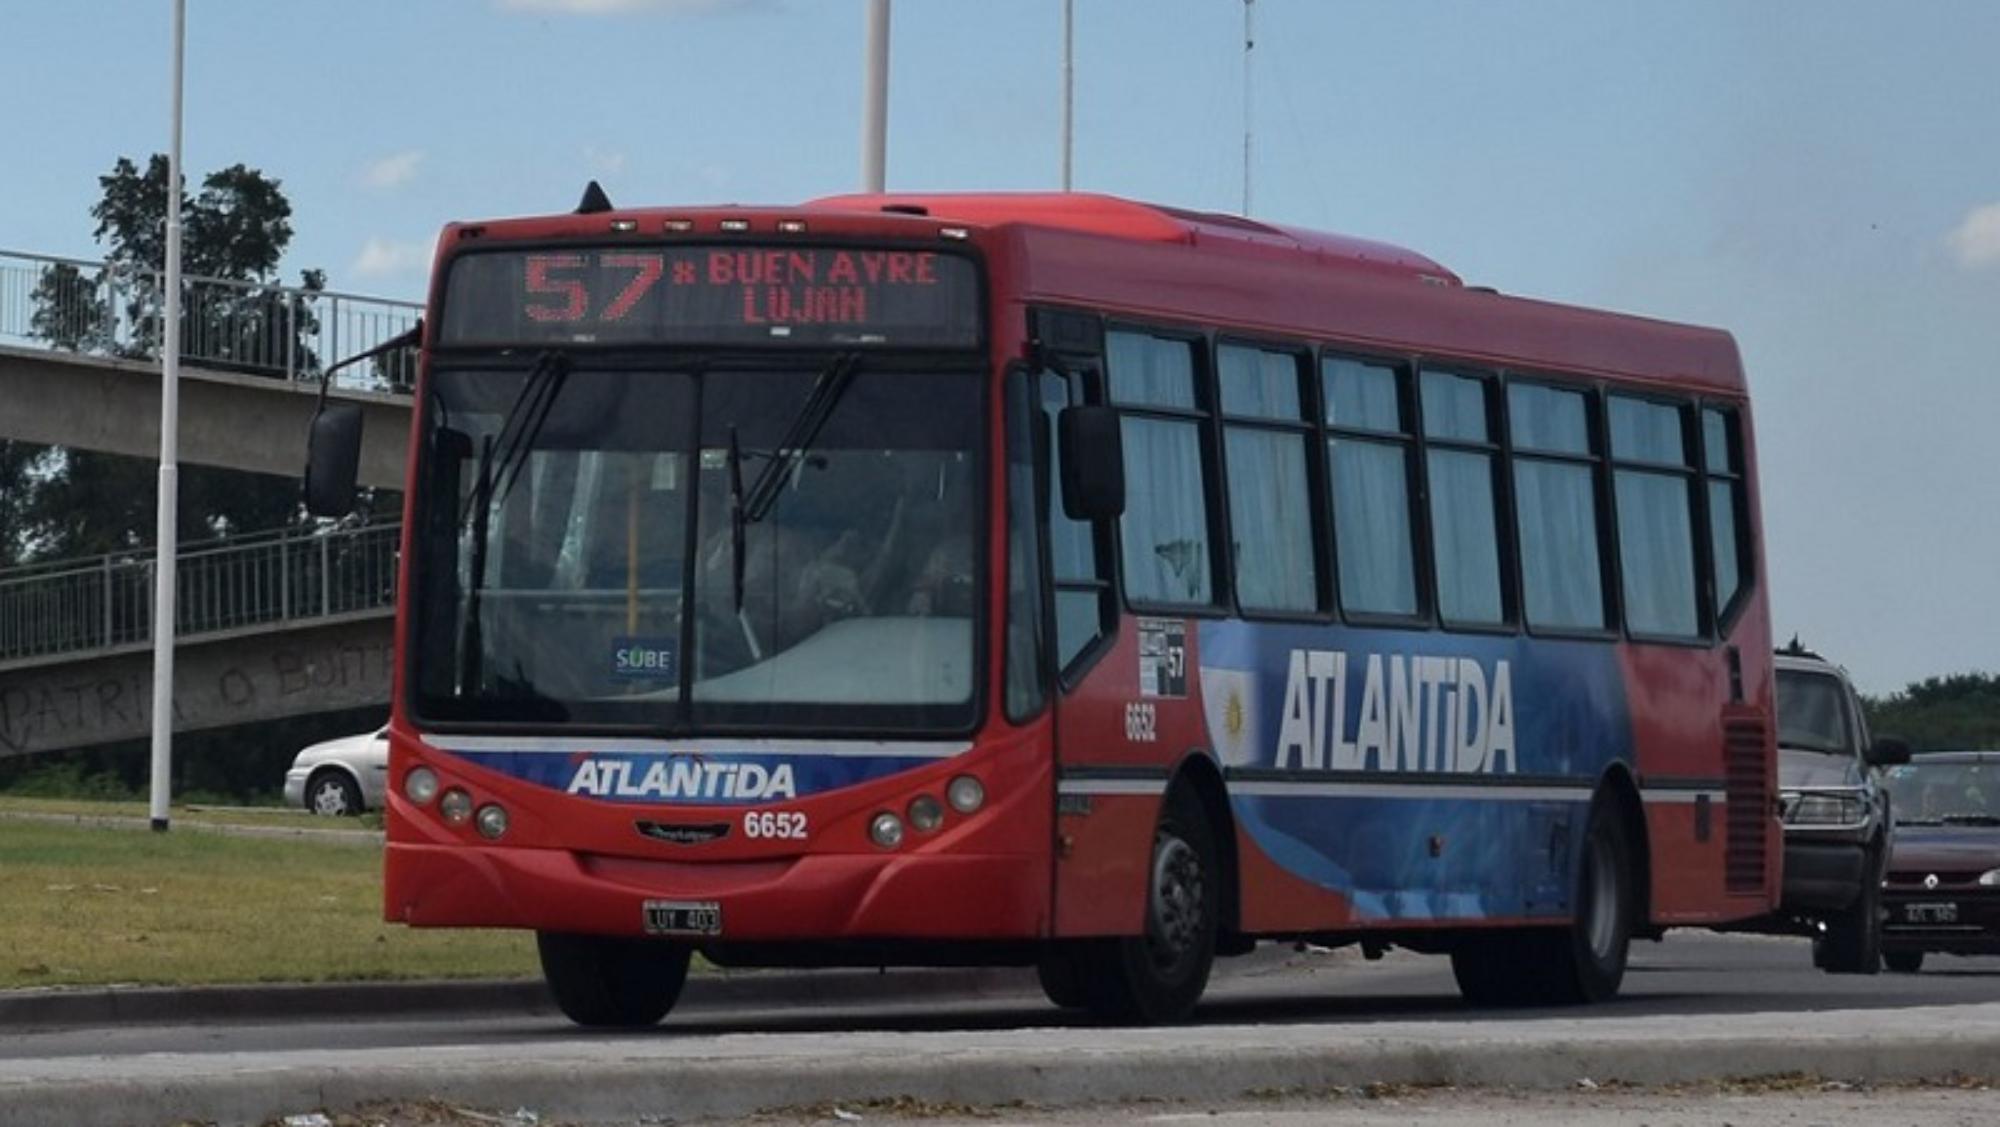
column 234, row 229
column 1960, row 711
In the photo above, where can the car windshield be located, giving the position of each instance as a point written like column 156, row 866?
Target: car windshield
column 586, row 567
column 1936, row 793
column 1812, row 712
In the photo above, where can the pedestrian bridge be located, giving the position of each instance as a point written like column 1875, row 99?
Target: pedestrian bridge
column 79, row 365
column 270, row 626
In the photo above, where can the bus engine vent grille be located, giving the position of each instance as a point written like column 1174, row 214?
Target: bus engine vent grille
column 1749, row 795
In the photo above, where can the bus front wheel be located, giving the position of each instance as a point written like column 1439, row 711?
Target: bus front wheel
column 1159, row 975
column 1583, row 961
column 610, row 982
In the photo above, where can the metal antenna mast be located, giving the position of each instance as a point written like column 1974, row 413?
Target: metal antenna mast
column 1249, row 42
column 1069, row 90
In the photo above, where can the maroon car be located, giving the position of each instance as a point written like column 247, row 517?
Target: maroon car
column 1943, row 888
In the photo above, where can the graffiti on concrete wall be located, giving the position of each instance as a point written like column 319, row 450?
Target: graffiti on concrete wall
column 216, row 684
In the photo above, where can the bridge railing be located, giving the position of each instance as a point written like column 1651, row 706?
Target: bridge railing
column 113, row 309
column 80, row 605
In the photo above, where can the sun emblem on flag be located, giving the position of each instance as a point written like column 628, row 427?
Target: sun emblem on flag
column 1232, row 716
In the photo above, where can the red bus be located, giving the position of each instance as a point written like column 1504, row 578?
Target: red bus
column 1063, row 581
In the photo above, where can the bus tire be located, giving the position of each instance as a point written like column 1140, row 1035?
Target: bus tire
column 1159, row 975
column 1852, row 943
column 611, row 982
column 1062, row 974
column 1904, row 962
column 1583, row 961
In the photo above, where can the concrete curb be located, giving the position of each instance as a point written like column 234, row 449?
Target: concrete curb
column 631, row 1077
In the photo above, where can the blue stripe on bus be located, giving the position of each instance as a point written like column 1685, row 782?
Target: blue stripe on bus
column 1403, row 850
column 709, row 779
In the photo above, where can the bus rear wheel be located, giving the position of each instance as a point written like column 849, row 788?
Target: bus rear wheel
column 1159, row 975
column 1583, row 961
column 611, row 982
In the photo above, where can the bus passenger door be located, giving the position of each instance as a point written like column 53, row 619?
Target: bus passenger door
column 1108, row 777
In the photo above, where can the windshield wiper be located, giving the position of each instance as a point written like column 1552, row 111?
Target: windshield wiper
column 1972, row 820
column 516, row 437
column 736, row 521
column 805, row 426
column 518, row 430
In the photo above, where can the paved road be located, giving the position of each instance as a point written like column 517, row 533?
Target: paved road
column 1691, row 974
column 1697, row 1007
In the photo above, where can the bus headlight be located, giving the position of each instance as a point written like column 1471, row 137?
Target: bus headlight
column 926, row 814
column 1990, row 879
column 456, row 806
column 491, row 821
column 886, row 830
column 420, row 786
column 965, row 794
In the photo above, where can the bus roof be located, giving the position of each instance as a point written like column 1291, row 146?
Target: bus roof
column 1131, row 259
column 1114, row 254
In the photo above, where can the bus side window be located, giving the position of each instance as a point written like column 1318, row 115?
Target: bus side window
column 1082, row 581
column 1653, row 486
column 1164, row 536
column 1722, row 445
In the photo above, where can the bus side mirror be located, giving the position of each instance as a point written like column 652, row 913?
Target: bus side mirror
column 1092, row 453
column 333, row 459
column 1888, row 751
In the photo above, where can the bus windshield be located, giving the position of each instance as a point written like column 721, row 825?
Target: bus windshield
column 579, row 561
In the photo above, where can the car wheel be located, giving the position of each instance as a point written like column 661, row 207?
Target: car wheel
column 1581, row 962
column 1904, row 962
column 1853, row 940
column 332, row 793
column 1159, row 975
column 609, row 982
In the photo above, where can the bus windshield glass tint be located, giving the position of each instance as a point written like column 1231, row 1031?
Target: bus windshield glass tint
column 586, row 569
column 738, row 294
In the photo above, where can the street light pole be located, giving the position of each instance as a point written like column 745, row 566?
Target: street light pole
column 875, row 99
column 169, row 499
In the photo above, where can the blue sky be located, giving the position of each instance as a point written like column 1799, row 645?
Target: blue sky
column 1821, row 178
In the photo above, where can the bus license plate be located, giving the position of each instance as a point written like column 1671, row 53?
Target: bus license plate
column 683, row 917
column 1930, row 913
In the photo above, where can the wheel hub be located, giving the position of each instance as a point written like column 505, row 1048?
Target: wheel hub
column 1177, row 900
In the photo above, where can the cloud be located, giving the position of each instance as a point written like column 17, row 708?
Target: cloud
column 382, row 257
column 605, row 161
column 1975, row 242
column 615, row 7
column 393, row 171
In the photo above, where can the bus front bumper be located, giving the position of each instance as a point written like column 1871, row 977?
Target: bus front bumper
column 811, row 896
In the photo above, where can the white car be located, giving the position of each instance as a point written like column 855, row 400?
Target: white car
column 340, row 776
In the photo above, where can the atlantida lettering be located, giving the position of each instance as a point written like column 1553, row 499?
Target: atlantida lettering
column 681, row 778
column 1414, row 713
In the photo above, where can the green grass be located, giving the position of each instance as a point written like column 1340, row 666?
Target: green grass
column 90, row 906
column 195, row 814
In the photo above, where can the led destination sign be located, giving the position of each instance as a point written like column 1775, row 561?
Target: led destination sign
column 712, row 295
